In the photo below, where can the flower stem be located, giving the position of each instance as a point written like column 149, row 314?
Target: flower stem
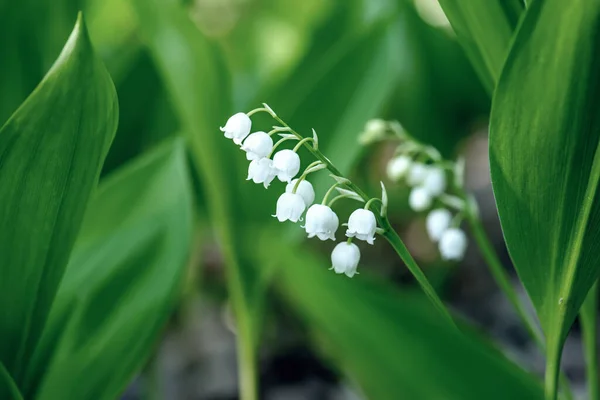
column 391, row 235
column 503, row 281
column 398, row 245
column 301, row 142
column 501, row 276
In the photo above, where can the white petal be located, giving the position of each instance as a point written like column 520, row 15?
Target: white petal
column 435, row 181
column 453, row 244
column 419, row 199
column 398, row 167
column 437, row 222
column 417, row 174
column 345, row 258
column 305, row 189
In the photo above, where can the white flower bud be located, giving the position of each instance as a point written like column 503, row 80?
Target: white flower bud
column 344, row 258
column 419, row 199
column 453, row 244
column 261, row 171
column 437, row 222
column 435, row 181
column 237, row 127
column 305, row 189
column 290, row 206
column 321, row 221
column 362, row 225
column 258, row 145
column 286, row 164
column 374, row 131
column 397, row 167
column 417, row 174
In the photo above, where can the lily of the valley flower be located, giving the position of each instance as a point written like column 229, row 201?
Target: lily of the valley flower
column 435, row 181
column 453, row 244
column 345, row 258
column 290, row 206
column 305, row 189
column 362, row 225
column 237, row 127
column 397, row 167
column 419, row 199
column 286, row 164
column 261, row 171
column 417, row 174
column 321, row 221
column 258, row 145
column 438, row 221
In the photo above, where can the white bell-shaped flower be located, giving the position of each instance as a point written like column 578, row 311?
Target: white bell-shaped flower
column 453, row 244
column 419, row 199
column 437, row 222
column 374, row 130
column 397, row 167
column 435, row 181
column 345, row 258
column 417, row 174
column 321, row 221
column 237, row 127
column 261, row 171
column 258, row 145
column 305, row 189
column 362, row 225
column 287, row 164
column 290, row 206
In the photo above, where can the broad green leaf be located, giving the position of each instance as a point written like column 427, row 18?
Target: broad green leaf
column 121, row 282
column 392, row 344
column 51, row 152
column 484, row 29
column 545, row 160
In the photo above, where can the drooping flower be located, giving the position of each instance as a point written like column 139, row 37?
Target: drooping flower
column 286, row 164
column 237, row 127
column 435, row 181
column 345, row 258
column 321, row 221
column 417, row 174
column 305, row 189
column 258, row 145
column 437, row 222
column 397, row 167
column 362, row 225
column 419, row 199
column 261, row 171
column 290, row 206
column 453, row 244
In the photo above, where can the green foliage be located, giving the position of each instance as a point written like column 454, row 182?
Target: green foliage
column 51, row 152
column 121, row 282
column 545, row 160
column 485, row 29
column 394, row 345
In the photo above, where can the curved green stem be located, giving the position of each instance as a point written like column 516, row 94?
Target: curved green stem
column 501, row 276
column 391, row 235
column 398, row 245
column 10, row 383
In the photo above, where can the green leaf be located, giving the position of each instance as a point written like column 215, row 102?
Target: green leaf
column 197, row 83
column 589, row 323
column 545, row 160
column 8, row 387
column 394, row 345
column 51, row 152
column 484, row 29
column 121, row 282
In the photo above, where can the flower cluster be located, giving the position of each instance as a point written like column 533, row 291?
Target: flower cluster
column 422, row 168
column 266, row 164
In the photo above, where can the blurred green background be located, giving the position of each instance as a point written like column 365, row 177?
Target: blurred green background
column 181, row 67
